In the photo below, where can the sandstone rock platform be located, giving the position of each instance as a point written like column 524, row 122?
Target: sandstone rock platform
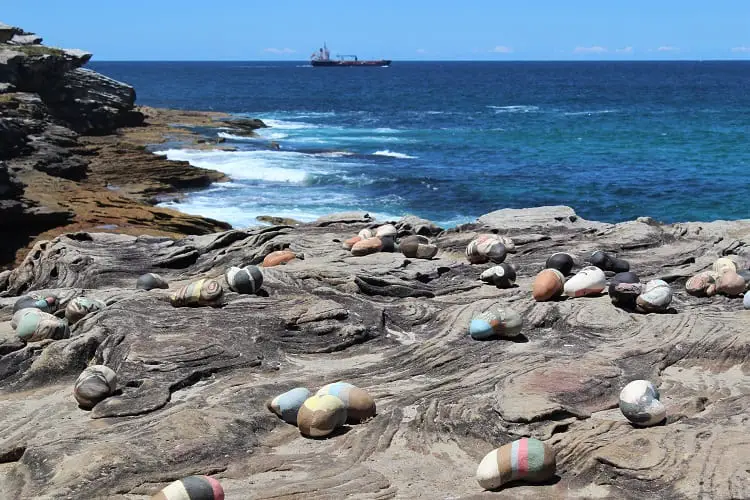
column 193, row 382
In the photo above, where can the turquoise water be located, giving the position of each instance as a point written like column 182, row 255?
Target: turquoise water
column 451, row 141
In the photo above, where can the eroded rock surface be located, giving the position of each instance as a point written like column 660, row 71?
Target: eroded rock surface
column 194, row 381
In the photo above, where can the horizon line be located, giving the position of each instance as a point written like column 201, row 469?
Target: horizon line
column 427, row 60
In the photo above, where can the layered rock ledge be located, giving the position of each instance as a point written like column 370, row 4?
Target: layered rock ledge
column 73, row 151
column 194, row 381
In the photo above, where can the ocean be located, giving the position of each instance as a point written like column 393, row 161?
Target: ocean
column 450, row 141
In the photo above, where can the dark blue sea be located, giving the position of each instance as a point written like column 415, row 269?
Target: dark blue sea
column 450, row 141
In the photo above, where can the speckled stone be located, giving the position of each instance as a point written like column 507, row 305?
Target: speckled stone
column 639, row 403
column 192, row 488
column 496, row 321
column 94, row 384
column 656, row 297
column 526, row 459
column 246, row 279
column 287, row 405
column 149, row 281
column 502, row 276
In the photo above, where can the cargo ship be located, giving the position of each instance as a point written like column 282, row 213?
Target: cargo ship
column 323, row 58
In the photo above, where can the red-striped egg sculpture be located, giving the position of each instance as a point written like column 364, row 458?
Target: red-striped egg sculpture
column 192, row 488
column 525, row 459
column 359, row 404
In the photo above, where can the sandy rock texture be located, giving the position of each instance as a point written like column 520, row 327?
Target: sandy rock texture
column 193, row 382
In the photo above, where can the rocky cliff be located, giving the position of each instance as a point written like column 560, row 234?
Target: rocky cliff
column 62, row 145
column 193, row 381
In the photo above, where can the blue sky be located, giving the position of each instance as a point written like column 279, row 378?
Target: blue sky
column 400, row 30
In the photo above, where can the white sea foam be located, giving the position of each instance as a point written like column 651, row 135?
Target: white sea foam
column 245, row 165
column 515, row 109
column 593, row 112
column 287, row 124
column 392, row 154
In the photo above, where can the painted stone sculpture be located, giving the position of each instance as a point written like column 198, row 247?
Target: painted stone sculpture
column 639, row 403
column 94, row 384
column 496, row 322
column 203, row 292
column 360, row 406
column 287, row 405
column 247, row 279
column 525, row 459
column 192, row 488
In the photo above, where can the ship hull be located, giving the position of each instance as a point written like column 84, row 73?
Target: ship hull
column 341, row 64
